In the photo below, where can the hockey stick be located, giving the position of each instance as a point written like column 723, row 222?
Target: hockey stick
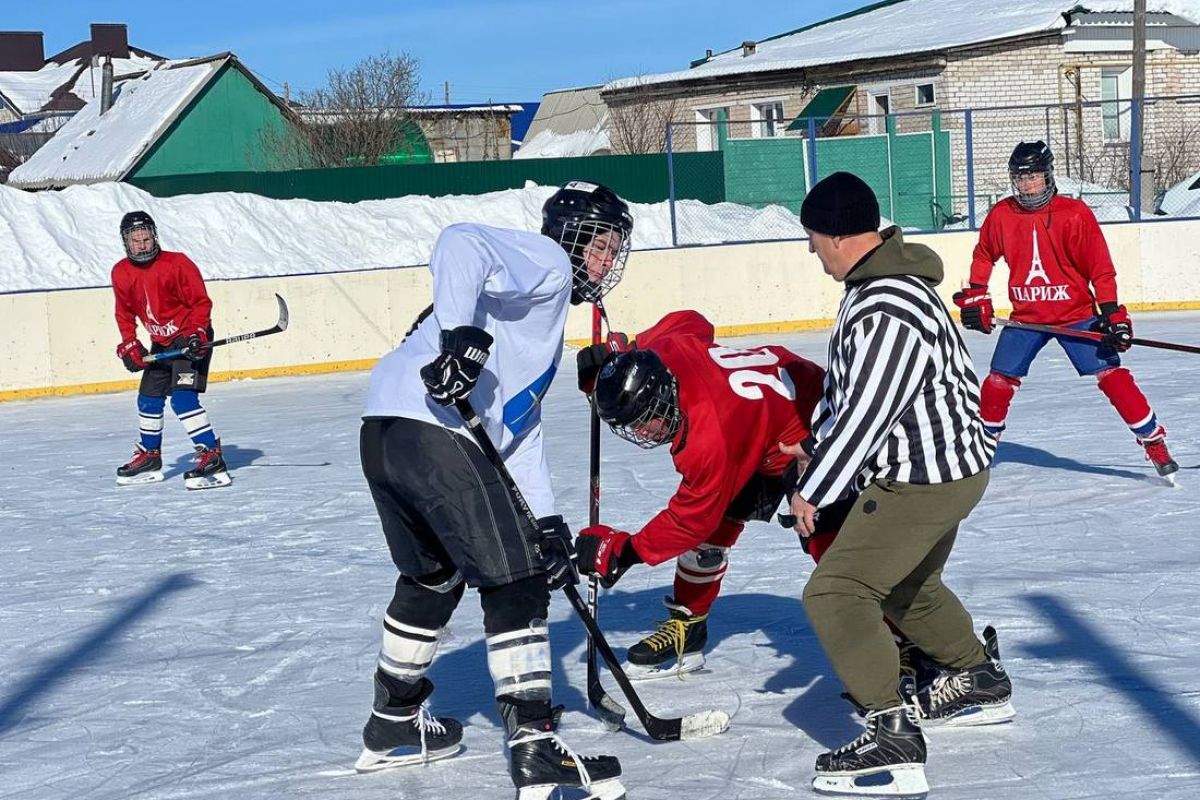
column 611, row 712
column 1093, row 336
column 278, row 327
column 668, row 729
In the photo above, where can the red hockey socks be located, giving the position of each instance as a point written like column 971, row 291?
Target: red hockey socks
column 1123, row 392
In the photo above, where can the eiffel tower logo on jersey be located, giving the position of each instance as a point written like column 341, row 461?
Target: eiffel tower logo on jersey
column 1030, row 293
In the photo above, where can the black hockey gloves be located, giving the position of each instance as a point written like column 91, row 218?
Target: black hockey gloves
column 590, row 359
column 1115, row 324
column 977, row 312
column 453, row 374
column 133, row 354
column 194, row 345
column 553, row 543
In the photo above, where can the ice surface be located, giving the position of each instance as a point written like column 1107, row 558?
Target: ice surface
column 161, row 644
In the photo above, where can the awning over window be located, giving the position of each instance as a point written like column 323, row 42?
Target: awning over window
column 825, row 104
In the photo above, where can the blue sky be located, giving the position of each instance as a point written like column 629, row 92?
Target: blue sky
column 514, row 50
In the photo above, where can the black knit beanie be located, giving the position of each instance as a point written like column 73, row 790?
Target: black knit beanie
column 840, row 204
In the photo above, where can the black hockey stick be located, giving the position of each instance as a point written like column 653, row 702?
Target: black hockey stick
column 612, row 714
column 693, row 726
column 1093, row 335
column 278, row 327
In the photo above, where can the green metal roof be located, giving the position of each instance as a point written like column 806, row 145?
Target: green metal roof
column 825, row 104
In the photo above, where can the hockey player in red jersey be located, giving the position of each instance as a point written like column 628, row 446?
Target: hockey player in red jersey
column 1060, row 273
column 725, row 412
column 164, row 291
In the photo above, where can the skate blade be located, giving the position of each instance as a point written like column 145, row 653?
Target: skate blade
column 137, row 480
column 610, row 789
column 692, row 662
column 370, row 761
column 907, row 781
column 973, row 717
column 208, row 481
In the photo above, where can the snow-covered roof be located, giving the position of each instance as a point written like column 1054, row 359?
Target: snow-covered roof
column 901, row 27
column 548, row 144
column 29, row 92
column 92, row 147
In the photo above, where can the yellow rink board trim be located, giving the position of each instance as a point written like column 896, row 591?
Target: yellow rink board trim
column 723, row 331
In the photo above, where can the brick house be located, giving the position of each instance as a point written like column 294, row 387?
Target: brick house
column 943, row 56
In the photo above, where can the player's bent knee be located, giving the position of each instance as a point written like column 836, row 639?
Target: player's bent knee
column 514, row 605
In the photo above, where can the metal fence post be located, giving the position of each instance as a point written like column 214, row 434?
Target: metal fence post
column 970, row 136
column 671, row 183
column 1135, row 159
column 812, row 152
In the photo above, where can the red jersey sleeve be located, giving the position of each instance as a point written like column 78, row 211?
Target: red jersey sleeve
column 678, row 323
column 124, row 308
column 988, row 249
column 193, row 295
column 1088, row 249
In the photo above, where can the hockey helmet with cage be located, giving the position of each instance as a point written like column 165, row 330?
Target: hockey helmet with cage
column 1029, row 158
column 594, row 226
column 639, row 398
column 133, row 222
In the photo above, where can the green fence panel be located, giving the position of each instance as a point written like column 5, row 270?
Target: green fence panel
column 866, row 157
column 761, row 172
column 638, row 178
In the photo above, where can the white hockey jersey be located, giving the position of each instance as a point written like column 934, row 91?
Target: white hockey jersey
column 516, row 286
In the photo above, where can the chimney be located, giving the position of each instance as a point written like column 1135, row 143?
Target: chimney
column 708, row 53
column 110, row 39
column 748, row 49
column 106, row 85
column 21, row 51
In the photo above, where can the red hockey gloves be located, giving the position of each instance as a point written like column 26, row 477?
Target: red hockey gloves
column 133, row 354
column 590, row 359
column 553, row 544
column 453, row 374
column 976, row 305
column 195, row 345
column 605, row 553
column 1115, row 324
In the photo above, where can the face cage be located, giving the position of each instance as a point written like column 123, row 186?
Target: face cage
column 663, row 410
column 575, row 239
column 141, row 258
column 1032, row 202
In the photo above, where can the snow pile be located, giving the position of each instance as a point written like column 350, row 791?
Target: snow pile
column 68, row 239
column 548, row 144
column 1182, row 199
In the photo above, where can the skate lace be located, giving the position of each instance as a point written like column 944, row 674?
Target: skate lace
column 203, row 457
column 1156, row 451
column 536, row 736
column 427, row 723
column 871, row 716
column 948, row 687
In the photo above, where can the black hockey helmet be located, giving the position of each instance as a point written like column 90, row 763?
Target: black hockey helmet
column 139, row 221
column 575, row 216
column 639, row 398
column 1032, row 158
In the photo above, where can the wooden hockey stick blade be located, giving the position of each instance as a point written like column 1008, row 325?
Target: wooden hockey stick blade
column 279, row 327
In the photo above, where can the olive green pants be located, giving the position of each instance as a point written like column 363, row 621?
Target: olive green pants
column 888, row 559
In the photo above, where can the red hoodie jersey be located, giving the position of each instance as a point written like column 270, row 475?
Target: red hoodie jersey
column 1053, row 254
column 738, row 405
column 168, row 297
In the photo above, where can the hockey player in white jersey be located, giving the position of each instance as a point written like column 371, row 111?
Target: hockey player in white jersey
column 494, row 334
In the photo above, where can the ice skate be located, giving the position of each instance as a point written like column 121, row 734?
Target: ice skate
column 887, row 760
column 144, row 467
column 1158, row 455
column 541, row 763
column 400, row 736
column 917, row 669
column 980, row 695
column 677, row 647
column 210, row 471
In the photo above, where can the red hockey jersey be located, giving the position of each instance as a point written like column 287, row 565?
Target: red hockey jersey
column 1053, row 254
column 739, row 405
column 168, row 297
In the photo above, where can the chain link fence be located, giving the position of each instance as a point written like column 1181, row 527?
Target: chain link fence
column 934, row 170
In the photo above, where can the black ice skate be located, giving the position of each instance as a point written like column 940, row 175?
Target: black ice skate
column 1158, row 455
column 144, row 467
column 887, row 760
column 402, row 735
column 210, row 471
column 917, row 669
column 540, row 762
column 675, row 648
column 980, row 695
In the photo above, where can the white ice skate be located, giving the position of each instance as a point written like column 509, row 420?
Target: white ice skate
column 690, row 662
column 907, row 780
column 154, row 476
column 406, row 756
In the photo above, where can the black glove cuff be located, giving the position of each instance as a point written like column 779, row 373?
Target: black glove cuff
column 467, row 342
column 1108, row 309
column 628, row 556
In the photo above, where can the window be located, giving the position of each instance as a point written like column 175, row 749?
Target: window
column 767, row 119
column 1116, row 87
column 879, row 104
column 708, row 133
column 925, row 95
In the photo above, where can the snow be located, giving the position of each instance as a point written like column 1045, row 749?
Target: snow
column 29, row 91
column 911, row 26
column 92, row 147
column 548, row 144
column 164, row 645
column 1181, row 200
column 68, row 239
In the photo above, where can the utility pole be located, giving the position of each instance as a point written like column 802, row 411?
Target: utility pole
column 287, row 94
column 1139, row 176
column 446, row 93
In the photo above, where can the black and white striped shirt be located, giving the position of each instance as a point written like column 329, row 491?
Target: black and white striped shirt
column 901, row 397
